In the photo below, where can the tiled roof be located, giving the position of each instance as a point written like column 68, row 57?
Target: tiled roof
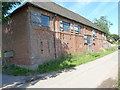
column 59, row 10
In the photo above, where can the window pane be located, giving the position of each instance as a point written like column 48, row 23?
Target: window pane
column 87, row 39
column 66, row 26
column 48, row 46
column 41, row 46
column 45, row 21
column 79, row 29
column 35, row 13
column 36, row 20
column 94, row 33
column 8, row 54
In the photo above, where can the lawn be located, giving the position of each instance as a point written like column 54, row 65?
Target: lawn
column 65, row 61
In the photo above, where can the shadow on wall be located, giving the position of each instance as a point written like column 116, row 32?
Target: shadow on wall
column 47, row 46
column 17, row 43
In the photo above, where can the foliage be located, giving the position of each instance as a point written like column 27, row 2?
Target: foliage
column 115, row 37
column 112, row 42
column 6, row 6
column 12, row 69
column 103, row 24
column 65, row 61
column 119, row 42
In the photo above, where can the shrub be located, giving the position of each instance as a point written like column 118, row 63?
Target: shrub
column 65, row 61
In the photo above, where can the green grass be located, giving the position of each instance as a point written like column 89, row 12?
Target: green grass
column 12, row 69
column 65, row 61
column 118, row 82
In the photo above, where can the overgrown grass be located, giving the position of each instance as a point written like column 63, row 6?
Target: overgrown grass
column 12, row 69
column 65, row 61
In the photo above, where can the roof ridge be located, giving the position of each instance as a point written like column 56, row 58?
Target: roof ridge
column 64, row 12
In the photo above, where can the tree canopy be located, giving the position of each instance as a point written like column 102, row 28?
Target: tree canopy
column 103, row 24
column 6, row 6
column 115, row 37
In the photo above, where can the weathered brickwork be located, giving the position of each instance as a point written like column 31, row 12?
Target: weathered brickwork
column 35, row 44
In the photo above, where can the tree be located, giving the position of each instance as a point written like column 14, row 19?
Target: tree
column 6, row 6
column 103, row 24
column 115, row 37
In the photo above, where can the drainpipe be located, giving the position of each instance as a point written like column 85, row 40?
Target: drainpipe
column 54, row 36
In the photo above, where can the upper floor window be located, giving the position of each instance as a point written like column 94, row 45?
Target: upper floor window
column 66, row 26
column 94, row 33
column 45, row 21
column 39, row 19
column 8, row 22
column 77, row 28
column 61, row 25
column 35, row 18
column 103, row 35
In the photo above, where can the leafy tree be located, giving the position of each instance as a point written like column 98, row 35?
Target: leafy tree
column 6, row 6
column 115, row 37
column 103, row 24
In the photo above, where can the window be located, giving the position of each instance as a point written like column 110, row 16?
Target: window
column 93, row 41
column 103, row 35
column 45, row 21
column 8, row 54
column 41, row 46
column 35, row 18
column 48, row 46
column 8, row 22
column 40, row 19
column 77, row 28
column 72, row 27
column 94, row 33
column 61, row 25
column 66, row 26
column 87, row 39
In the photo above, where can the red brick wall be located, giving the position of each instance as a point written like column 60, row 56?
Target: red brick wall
column 25, row 39
column 15, row 37
column 41, row 33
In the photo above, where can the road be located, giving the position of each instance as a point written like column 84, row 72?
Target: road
column 100, row 73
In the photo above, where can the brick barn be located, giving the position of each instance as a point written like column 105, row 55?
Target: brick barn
column 40, row 31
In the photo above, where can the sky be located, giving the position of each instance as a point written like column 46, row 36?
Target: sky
column 92, row 9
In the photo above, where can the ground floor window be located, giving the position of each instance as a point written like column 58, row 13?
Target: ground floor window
column 87, row 39
column 8, row 54
column 48, row 45
column 41, row 46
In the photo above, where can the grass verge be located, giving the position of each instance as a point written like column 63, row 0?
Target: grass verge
column 117, row 85
column 65, row 61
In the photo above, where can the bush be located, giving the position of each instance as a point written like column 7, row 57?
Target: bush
column 65, row 61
